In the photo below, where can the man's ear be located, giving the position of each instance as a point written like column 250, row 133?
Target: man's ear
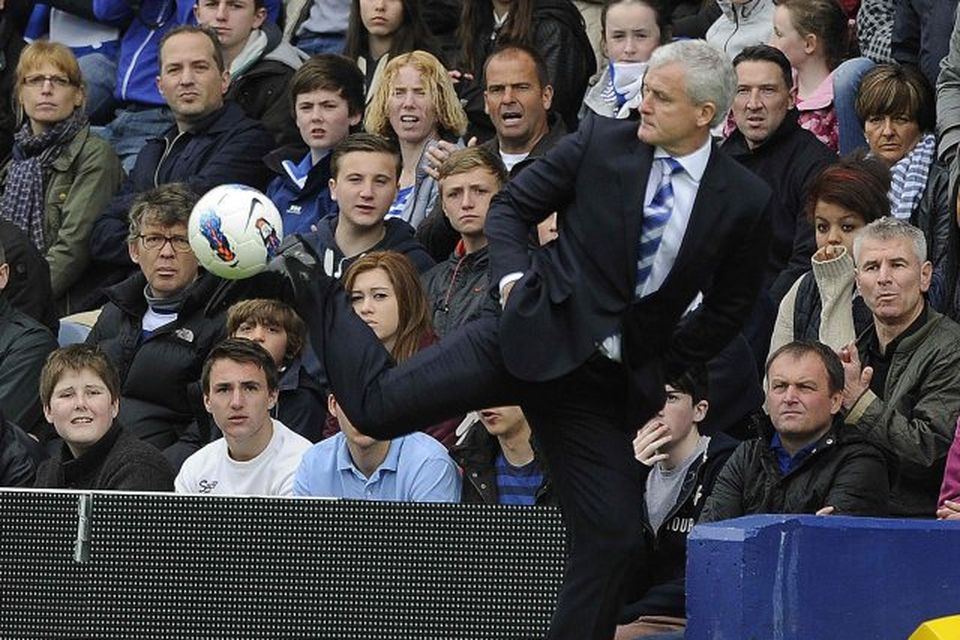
column 926, row 275
column 700, row 411
column 332, row 184
column 134, row 249
column 705, row 114
column 836, row 402
column 272, row 401
column 259, row 17
column 4, row 275
column 546, row 97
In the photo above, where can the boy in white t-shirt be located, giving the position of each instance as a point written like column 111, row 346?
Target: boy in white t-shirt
column 257, row 454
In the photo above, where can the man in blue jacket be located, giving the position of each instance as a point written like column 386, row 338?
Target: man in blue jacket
column 142, row 114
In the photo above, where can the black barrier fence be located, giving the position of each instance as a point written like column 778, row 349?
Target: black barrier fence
column 130, row 565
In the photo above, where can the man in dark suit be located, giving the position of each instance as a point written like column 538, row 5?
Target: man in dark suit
column 591, row 322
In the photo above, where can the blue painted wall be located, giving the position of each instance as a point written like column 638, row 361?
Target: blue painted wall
column 820, row 578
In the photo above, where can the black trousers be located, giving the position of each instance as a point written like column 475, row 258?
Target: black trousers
column 578, row 421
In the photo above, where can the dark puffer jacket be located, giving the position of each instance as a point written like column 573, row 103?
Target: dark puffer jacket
column 262, row 89
column 160, row 396
column 477, row 456
column 659, row 591
column 844, row 471
column 458, row 289
column 18, row 451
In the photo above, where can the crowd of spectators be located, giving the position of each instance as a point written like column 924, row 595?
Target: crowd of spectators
column 381, row 130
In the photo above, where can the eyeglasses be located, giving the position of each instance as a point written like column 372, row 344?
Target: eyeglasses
column 36, row 81
column 154, row 242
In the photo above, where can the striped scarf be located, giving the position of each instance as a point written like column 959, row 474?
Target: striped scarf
column 33, row 156
column 908, row 177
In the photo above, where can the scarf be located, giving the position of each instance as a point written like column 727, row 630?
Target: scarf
column 252, row 51
column 626, row 79
column 908, row 177
column 168, row 305
column 33, row 156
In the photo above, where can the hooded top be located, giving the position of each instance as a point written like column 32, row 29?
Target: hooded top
column 741, row 25
column 399, row 237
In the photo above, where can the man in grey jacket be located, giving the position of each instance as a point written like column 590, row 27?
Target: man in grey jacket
column 902, row 378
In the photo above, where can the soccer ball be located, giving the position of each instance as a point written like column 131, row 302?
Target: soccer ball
column 234, row 231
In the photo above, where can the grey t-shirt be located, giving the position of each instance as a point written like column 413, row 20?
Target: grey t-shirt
column 663, row 485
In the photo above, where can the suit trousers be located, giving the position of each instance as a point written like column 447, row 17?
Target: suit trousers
column 578, row 421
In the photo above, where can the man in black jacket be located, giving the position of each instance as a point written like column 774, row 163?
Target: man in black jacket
column 212, row 143
column 806, row 460
column 159, row 325
column 24, row 347
column 517, row 97
column 770, row 142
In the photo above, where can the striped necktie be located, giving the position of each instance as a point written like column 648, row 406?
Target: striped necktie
column 655, row 218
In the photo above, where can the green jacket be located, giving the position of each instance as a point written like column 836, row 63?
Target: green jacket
column 916, row 420
column 79, row 187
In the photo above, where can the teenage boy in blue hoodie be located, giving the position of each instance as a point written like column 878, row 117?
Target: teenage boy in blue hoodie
column 326, row 94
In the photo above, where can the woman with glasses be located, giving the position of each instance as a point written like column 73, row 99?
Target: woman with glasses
column 58, row 177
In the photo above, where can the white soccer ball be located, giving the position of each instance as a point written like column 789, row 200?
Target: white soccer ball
column 234, row 231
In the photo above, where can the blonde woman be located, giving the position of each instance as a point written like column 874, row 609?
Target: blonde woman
column 415, row 105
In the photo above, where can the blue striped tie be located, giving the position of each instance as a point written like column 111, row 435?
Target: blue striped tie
column 655, row 218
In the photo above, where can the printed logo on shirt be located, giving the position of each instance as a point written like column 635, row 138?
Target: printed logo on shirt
column 680, row 525
column 698, row 495
column 207, row 486
column 294, row 209
column 184, row 334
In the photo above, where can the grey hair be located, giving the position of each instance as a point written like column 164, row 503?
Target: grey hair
column 890, row 228
column 710, row 76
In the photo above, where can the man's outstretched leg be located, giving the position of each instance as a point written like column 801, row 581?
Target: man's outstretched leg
column 462, row 373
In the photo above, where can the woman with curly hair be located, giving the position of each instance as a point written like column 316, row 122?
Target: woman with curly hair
column 417, row 106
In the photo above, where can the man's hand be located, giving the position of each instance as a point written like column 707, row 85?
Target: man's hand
column 650, row 437
column 856, row 379
column 949, row 511
column 455, row 74
column 825, row 511
column 438, row 154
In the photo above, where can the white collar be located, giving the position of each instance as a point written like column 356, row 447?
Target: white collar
column 695, row 164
